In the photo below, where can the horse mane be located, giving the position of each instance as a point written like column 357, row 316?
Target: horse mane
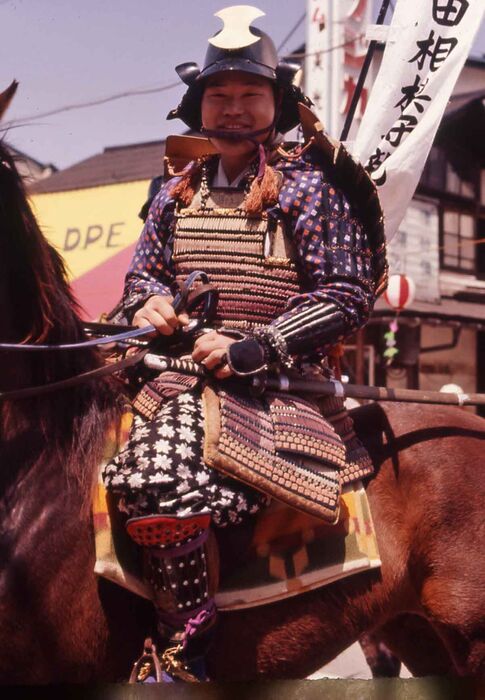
column 37, row 305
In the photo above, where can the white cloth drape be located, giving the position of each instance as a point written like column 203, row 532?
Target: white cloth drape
column 428, row 43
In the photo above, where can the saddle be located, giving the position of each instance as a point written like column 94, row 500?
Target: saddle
column 281, row 553
column 303, row 453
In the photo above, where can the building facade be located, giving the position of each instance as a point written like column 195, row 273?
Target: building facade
column 90, row 213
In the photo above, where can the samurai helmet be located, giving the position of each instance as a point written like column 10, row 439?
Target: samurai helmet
column 240, row 47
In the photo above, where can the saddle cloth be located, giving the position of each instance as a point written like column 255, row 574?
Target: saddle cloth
column 290, row 552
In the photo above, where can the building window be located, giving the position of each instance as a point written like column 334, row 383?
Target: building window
column 456, row 185
column 459, row 246
column 443, row 179
column 461, row 194
column 433, row 176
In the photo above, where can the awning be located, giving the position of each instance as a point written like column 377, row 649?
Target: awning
column 462, row 132
column 450, row 312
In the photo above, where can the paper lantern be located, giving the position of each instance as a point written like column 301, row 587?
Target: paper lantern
column 451, row 389
column 400, row 292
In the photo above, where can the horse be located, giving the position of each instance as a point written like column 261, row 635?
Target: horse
column 59, row 623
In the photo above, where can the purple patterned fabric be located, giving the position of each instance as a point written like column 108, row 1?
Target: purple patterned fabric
column 333, row 251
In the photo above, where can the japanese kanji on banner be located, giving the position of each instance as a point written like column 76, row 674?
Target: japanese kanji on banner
column 427, row 45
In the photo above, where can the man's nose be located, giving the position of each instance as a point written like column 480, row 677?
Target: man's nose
column 233, row 106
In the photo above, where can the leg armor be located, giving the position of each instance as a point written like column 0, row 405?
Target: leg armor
column 181, row 565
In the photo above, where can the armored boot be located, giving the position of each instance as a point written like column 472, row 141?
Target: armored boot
column 181, row 566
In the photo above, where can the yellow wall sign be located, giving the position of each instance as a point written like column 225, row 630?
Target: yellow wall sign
column 90, row 226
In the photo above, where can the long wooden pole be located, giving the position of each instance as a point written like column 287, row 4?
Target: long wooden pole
column 375, row 393
column 324, row 388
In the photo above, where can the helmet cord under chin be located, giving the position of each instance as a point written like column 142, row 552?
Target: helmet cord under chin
column 246, row 136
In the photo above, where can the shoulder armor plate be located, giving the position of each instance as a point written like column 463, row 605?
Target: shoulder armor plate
column 357, row 185
column 180, row 150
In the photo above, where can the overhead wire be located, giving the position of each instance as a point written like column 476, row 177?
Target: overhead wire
column 93, row 103
column 146, row 91
column 291, row 32
column 355, row 38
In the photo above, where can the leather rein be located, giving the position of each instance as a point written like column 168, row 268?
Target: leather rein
column 186, row 299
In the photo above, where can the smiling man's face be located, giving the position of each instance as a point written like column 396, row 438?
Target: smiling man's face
column 238, row 102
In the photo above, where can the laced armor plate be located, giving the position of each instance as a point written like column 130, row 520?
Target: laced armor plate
column 249, row 259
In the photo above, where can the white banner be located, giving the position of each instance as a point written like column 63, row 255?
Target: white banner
column 427, row 46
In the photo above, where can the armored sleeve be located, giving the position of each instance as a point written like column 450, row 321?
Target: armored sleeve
column 150, row 272
column 336, row 264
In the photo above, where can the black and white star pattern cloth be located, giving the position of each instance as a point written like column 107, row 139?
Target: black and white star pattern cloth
column 161, row 469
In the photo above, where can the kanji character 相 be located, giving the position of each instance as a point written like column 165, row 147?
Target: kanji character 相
column 442, row 49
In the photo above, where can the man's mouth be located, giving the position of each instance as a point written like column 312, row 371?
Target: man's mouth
column 235, row 127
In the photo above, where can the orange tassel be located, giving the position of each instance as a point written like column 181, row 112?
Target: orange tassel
column 263, row 192
column 184, row 190
column 334, row 355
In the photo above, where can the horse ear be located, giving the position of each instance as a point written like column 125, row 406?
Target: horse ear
column 6, row 97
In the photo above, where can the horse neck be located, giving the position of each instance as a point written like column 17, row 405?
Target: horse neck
column 37, row 306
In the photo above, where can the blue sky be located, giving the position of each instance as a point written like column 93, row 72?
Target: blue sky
column 65, row 52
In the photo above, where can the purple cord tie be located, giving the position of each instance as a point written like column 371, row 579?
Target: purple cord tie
column 179, row 619
column 193, row 623
column 262, row 162
column 168, row 552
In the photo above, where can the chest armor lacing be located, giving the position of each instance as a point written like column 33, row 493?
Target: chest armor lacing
column 249, row 259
